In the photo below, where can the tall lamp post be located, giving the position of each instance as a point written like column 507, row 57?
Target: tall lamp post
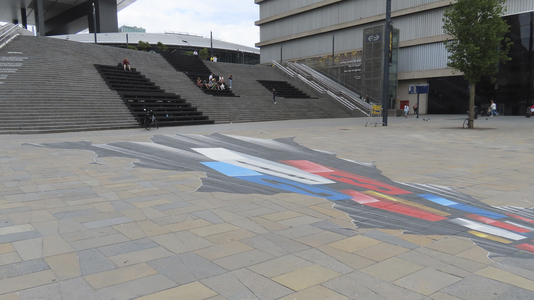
column 333, row 40
column 94, row 19
column 385, row 85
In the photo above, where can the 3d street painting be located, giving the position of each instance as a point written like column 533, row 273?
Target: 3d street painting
column 242, row 165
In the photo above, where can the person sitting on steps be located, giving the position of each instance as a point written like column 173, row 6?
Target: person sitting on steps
column 199, row 83
column 126, row 64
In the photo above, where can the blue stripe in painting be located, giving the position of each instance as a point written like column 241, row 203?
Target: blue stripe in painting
column 459, row 206
column 478, row 211
column 437, row 199
column 296, row 187
column 230, row 170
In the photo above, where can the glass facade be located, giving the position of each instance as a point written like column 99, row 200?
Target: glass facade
column 512, row 88
column 361, row 71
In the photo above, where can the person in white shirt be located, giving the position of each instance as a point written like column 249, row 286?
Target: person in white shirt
column 493, row 108
column 406, row 110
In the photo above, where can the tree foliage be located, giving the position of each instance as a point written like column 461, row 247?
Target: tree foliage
column 144, row 46
column 132, row 48
column 162, row 47
column 478, row 41
column 478, row 31
column 203, row 54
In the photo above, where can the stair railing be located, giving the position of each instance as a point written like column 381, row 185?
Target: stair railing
column 324, row 85
column 330, row 85
column 7, row 33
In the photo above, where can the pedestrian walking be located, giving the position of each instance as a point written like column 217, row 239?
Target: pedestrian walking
column 406, row 110
column 274, row 96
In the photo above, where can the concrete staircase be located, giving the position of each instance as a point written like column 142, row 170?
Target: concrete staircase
column 47, row 88
column 51, row 85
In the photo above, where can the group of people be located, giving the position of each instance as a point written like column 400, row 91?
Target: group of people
column 213, row 84
column 212, row 58
column 407, row 110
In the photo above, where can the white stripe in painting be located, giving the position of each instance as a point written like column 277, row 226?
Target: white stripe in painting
column 16, row 229
column 487, row 229
column 272, row 144
column 262, row 165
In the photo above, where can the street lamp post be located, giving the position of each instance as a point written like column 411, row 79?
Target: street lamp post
column 385, row 85
column 333, row 40
column 94, row 19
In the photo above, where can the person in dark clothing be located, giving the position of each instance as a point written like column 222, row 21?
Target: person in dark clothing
column 274, row 96
column 126, row 64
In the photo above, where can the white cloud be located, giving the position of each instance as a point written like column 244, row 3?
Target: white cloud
column 229, row 20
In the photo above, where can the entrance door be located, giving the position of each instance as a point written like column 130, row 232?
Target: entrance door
column 403, row 103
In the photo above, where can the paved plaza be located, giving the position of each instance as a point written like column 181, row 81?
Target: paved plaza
column 307, row 209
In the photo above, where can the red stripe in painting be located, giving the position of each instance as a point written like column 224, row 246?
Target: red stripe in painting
column 525, row 247
column 393, row 207
column 520, row 218
column 346, row 177
column 497, row 223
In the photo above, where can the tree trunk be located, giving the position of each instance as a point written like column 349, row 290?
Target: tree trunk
column 472, row 106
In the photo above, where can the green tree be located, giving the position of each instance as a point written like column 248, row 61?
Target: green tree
column 144, row 46
column 132, row 48
column 478, row 41
column 203, row 54
column 162, row 47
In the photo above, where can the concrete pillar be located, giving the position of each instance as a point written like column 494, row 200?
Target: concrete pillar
column 39, row 18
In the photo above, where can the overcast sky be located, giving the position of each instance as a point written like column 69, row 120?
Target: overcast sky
column 229, row 20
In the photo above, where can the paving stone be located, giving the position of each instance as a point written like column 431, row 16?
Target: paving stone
column 76, row 213
column 260, row 286
column 285, row 243
column 451, row 245
column 136, row 257
column 6, row 248
column 219, row 251
column 384, row 237
column 137, row 288
column 281, row 265
column 443, row 296
column 120, row 205
column 27, row 281
column 84, row 234
column 250, row 226
column 422, row 259
column 427, row 281
column 516, row 294
column 65, row 266
column 213, row 229
column 260, row 242
column 321, row 238
column 462, row 263
column 381, row 251
column 99, row 241
column 46, row 292
column 187, row 225
column 506, row 277
column 192, row 291
column 14, row 237
column 242, row 260
column 229, row 287
column 92, row 261
column 78, row 289
column 23, row 268
column 173, row 268
column 230, row 236
column 107, row 222
column 346, row 285
column 352, row 260
column 300, row 231
column 319, row 258
column 9, row 258
column 306, row 277
column 392, row 269
column 121, row 275
column 209, row 216
column 485, row 288
column 199, row 266
column 382, row 288
column 54, row 245
column 355, row 243
column 29, row 249
column 127, row 247
column 131, row 230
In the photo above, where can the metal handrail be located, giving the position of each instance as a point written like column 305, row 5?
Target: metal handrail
column 7, row 33
column 331, row 86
